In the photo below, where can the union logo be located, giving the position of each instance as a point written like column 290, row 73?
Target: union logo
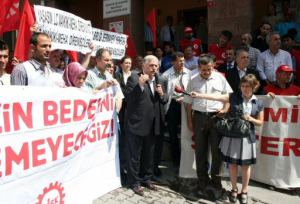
column 53, row 194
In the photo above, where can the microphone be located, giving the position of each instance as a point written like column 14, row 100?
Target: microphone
column 178, row 89
column 156, row 78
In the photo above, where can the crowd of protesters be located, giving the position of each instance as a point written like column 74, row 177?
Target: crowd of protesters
column 150, row 95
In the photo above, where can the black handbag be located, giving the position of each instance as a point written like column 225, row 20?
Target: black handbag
column 233, row 125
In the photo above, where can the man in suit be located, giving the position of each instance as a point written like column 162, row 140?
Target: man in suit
column 145, row 100
column 241, row 69
column 230, row 61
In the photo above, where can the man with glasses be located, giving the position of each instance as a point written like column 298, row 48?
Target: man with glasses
column 145, row 98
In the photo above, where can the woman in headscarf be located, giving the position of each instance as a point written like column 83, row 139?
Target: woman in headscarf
column 75, row 75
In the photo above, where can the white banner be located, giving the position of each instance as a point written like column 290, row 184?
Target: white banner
column 115, row 42
column 278, row 145
column 57, row 145
column 187, row 161
column 67, row 31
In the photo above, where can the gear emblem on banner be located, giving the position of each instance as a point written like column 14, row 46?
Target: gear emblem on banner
column 53, row 194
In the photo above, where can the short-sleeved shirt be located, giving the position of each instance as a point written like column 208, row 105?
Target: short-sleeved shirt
column 215, row 84
column 33, row 73
column 95, row 78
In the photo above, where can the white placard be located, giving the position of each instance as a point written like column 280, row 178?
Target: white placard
column 116, row 26
column 113, row 8
column 67, row 31
column 112, row 41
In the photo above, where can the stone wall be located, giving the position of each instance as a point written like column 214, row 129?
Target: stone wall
column 233, row 15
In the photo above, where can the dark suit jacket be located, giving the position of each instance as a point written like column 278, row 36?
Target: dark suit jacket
column 223, row 68
column 234, row 80
column 145, row 111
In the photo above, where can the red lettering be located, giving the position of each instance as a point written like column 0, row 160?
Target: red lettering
column 106, row 125
column 265, row 145
column 54, row 146
column 6, row 118
column 19, row 113
column 93, row 136
column 68, row 145
column 291, row 144
column 294, row 115
column 281, row 113
column 79, row 105
column 98, row 131
column 92, row 108
column 12, row 156
column 80, row 140
column 50, row 113
column 64, row 110
column 105, row 103
column 36, row 152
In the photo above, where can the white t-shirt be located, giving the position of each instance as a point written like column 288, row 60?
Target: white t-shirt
column 5, row 79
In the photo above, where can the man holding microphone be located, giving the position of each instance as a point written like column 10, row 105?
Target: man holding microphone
column 145, row 100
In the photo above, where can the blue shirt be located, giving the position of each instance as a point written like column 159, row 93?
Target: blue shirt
column 267, row 63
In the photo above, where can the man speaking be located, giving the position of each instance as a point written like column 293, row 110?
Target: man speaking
column 145, row 98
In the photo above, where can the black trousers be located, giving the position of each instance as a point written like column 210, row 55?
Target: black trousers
column 206, row 136
column 173, row 123
column 140, row 158
column 158, row 147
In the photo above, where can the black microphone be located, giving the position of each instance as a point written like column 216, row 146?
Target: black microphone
column 178, row 89
column 156, row 78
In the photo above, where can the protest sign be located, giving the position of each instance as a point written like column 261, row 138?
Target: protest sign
column 67, row 31
column 115, row 42
column 57, row 145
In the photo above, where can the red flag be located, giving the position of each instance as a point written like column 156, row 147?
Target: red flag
column 23, row 39
column 151, row 19
column 130, row 50
column 9, row 15
column 73, row 56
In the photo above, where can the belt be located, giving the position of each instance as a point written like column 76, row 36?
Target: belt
column 208, row 114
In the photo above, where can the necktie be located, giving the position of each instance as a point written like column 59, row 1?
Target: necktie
column 171, row 34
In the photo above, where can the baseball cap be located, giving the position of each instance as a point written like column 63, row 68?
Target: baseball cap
column 188, row 30
column 284, row 68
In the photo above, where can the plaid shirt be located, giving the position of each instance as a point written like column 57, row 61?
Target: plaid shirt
column 253, row 54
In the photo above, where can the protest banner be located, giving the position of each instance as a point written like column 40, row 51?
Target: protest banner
column 187, row 158
column 57, row 145
column 278, row 145
column 67, row 31
column 115, row 42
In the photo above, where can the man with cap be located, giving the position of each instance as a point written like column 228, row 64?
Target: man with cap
column 189, row 40
column 282, row 85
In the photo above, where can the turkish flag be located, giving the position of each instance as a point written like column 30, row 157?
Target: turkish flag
column 73, row 56
column 130, row 50
column 24, row 34
column 9, row 15
column 151, row 20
